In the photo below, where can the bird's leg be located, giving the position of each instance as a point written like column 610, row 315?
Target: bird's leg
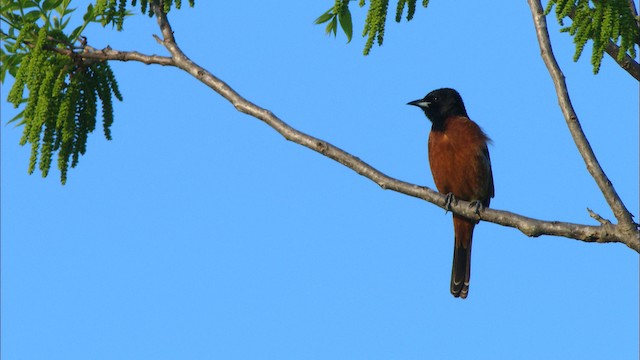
column 448, row 200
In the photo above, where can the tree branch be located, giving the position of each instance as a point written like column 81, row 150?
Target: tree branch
column 628, row 63
column 624, row 217
column 110, row 54
column 604, row 233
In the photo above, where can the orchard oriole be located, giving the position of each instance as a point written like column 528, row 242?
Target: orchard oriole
column 461, row 168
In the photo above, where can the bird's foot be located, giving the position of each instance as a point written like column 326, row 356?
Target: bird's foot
column 477, row 206
column 448, row 200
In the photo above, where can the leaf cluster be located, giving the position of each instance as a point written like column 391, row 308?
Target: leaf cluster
column 339, row 13
column 603, row 22
column 374, row 25
column 58, row 89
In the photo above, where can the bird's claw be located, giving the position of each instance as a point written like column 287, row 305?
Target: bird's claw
column 477, row 207
column 448, row 200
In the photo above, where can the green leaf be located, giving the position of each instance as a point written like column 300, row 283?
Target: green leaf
column 8, row 45
column 329, row 27
column 48, row 5
column 345, row 22
column 17, row 117
column 24, row 4
column 75, row 33
column 32, row 16
column 8, row 6
column 67, row 11
column 11, row 64
column 64, row 24
column 324, row 17
column 89, row 16
column 334, row 26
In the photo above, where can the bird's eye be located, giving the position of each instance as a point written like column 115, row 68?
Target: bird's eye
column 435, row 98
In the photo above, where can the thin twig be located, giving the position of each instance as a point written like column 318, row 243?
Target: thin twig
column 110, row 54
column 597, row 217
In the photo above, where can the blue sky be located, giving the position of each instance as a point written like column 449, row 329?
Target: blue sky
column 199, row 232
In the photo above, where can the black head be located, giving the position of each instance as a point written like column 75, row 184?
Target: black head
column 441, row 104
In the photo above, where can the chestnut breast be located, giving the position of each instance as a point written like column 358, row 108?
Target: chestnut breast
column 460, row 161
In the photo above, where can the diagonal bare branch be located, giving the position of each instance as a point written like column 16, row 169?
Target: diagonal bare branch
column 606, row 232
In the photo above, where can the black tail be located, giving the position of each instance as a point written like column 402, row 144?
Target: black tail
column 461, row 269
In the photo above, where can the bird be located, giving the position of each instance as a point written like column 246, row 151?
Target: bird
column 461, row 168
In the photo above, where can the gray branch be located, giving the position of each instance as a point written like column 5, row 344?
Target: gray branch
column 628, row 64
column 107, row 53
column 624, row 217
column 603, row 233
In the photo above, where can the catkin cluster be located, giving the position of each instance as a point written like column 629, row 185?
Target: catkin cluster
column 377, row 15
column 61, row 96
column 167, row 4
column 601, row 21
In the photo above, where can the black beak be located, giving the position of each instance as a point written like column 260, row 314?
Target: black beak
column 422, row 103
